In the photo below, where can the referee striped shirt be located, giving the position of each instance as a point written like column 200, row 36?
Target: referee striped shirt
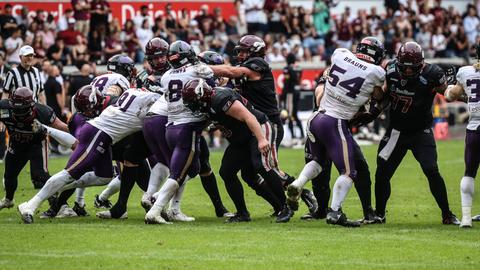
column 20, row 77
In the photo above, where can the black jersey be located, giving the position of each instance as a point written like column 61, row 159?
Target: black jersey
column 411, row 100
column 291, row 75
column 21, row 132
column 261, row 93
column 234, row 130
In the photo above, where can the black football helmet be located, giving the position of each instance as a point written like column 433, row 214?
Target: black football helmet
column 88, row 101
column 410, row 60
column 180, row 54
column 371, row 49
column 211, row 58
column 197, row 95
column 22, row 103
column 123, row 65
column 156, row 52
column 252, row 45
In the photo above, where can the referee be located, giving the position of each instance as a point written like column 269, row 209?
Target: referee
column 25, row 75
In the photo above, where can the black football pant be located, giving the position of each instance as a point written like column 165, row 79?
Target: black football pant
column 392, row 149
column 321, row 183
column 16, row 158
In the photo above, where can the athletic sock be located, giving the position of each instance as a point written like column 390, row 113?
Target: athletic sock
column 80, row 196
column 128, row 181
column 340, row 191
column 311, row 170
column 210, row 186
column 467, row 188
column 112, row 188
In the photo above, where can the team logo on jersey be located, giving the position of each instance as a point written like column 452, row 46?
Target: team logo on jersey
column 403, row 82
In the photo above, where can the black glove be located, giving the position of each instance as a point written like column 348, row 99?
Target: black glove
column 361, row 119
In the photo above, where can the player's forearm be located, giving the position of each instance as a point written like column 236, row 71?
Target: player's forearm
column 227, row 71
column 255, row 127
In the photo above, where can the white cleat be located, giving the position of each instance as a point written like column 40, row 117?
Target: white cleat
column 466, row 222
column 147, row 201
column 154, row 219
column 66, row 212
column 108, row 215
column 25, row 213
column 177, row 215
column 6, row 203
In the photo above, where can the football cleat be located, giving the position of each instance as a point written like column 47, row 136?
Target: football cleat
column 450, row 219
column 50, row 213
column 66, row 212
column 466, row 222
column 238, row 217
column 177, row 215
column 25, row 213
column 154, row 219
column 372, row 218
column 293, row 194
column 339, row 218
column 309, row 199
column 223, row 212
column 99, row 203
column 284, row 215
column 476, row 218
column 80, row 210
column 6, row 203
column 319, row 214
column 108, row 215
column 147, row 201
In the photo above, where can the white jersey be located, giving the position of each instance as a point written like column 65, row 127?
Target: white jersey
column 126, row 116
column 104, row 81
column 469, row 78
column 350, row 84
column 173, row 81
column 160, row 107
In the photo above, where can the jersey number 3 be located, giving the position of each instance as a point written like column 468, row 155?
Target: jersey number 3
column 352, row 85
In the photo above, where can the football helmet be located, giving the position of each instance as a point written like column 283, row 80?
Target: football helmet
column 180, row 54
column 156, row 52
column 211, row 58
column 88, row 101
column 371, row 49
column 249, row 46
column 22, row 103
column 122, row 65
column 410, row 60
column 197, row 94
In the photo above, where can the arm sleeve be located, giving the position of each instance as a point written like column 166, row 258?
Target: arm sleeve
column 9, row 83
column 45, row 114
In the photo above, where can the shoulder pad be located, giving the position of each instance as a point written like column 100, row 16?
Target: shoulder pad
column 257, row 64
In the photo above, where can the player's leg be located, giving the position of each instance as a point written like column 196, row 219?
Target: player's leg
column 209, row 181
column 93, row 147
column 467, row 186
column 424, row 150
column 15, row 160
column 183, row 141
column 39, row 164
column 363, row 185
column 391, row 151
column 231, row 163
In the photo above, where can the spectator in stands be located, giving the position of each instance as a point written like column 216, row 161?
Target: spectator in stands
column 140, row 18
column 47, row 33
column 241, row 14
column 58, row 53
column 69, row 36
column 424, row 38
column 80, row 51
column 78, row 81
column 462, row 44
column 12, row 46
column 321, row 17
column 129, row 38
column 113, row 45
column 255, row 16
column 53, row 91
column 99, row 11
column 471, row 24
column 63, row 20
column 22, row 19
column 170, row 21
column 144, row 34
column 8, row 24
column 275, row 56
column 37, row 45
column 160, row 30
column 344, row 32
column 44, row 70
column 439, row 42
column 81, row 13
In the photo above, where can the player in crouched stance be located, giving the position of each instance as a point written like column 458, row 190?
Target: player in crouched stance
column 352, row 80
column 468, row 84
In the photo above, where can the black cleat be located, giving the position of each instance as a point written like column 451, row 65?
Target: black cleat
column 476, row 218
column 370, row 217
column 309, row 199
column 285, row 215
column 339, row 218
column 98, row 203
column 450, row 219
column 239, row 218
column 27, row 219
column 319, row 214
column 80, row 210
column 50, row 213
column 222, row 212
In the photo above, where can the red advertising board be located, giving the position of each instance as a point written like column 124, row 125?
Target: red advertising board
column 124, row 10
column 308, row 78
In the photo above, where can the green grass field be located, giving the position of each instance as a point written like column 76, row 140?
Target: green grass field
column 413, row 237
